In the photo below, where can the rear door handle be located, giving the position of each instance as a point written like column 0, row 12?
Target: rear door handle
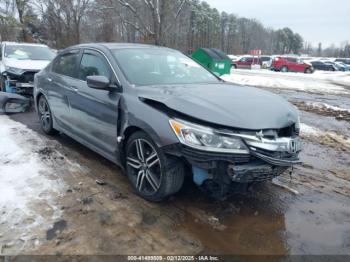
column 49, row 79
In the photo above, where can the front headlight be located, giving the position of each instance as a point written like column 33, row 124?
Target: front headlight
column 14, row 70
column 205, row 138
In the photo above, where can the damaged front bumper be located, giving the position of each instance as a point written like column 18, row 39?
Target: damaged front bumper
column 259, row 164
column 22, row 83
column 13, row 103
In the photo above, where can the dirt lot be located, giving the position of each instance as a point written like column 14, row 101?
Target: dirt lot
column 83, row 203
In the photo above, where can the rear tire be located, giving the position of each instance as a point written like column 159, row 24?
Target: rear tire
column 153, row 175
column 45, row 116
column 308, row 71
column 284, row 69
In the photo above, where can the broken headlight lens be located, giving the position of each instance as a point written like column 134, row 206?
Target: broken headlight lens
column 205, row 138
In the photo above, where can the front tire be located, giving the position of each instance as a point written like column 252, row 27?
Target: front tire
column 284, row 69
column 45, row 116
column 308, row 71
column 153, row 175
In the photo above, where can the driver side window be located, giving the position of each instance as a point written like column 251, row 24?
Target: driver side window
column 93, row 64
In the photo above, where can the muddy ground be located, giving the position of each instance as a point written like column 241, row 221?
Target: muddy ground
column 96, row 211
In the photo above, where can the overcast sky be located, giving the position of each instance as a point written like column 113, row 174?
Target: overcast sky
column 326, row 21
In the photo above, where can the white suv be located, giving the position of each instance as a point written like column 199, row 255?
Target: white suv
column 19, row 62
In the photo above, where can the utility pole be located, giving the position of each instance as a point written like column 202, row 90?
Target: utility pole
column 319, row 50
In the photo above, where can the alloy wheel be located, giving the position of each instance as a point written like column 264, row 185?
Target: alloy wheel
column 144, row 166
column 45, row 114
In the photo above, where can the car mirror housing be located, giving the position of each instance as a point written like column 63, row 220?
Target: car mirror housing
column 98, row 82
column 102, row 83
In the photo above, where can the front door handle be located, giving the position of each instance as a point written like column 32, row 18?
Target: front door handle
column 49, row 79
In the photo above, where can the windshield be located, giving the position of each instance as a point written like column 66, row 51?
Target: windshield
column 159, row 66
column 29, row 52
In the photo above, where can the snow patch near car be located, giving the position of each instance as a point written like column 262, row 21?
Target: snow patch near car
column 308, row 130
column 27, row 185
column 321, row 105
column 330, row 138
column 313, row 83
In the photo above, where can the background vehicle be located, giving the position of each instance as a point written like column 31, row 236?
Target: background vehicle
column 18, row 64
column 343, row 60
column 246, row 62
column 233, row 57
column 290, row 64
column 346, row 67
column 266, row 61
column 157, row 112
column 337, row 66
column 319, row 65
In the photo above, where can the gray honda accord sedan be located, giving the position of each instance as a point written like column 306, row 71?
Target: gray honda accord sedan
column 160, row 115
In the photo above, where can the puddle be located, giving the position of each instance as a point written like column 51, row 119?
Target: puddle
column 57, row 228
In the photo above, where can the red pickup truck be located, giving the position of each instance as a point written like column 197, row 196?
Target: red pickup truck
column 292, row 64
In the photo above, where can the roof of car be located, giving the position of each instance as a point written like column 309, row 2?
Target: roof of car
column 22, row 43
column 120, row 45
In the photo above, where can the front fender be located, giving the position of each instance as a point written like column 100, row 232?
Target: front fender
column 154, row 121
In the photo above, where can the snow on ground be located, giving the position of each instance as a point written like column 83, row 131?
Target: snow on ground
column 309, row 130
column 318, row 82
column 313, row 132
column 320, row 105
column 27, row 187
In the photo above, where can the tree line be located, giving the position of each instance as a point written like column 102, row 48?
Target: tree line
column 181, row 24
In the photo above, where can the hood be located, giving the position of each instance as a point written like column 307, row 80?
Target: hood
column 36, row 65
column 225, row 104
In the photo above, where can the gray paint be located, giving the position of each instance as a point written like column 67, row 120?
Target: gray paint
column 225, row 104
column 96, row 118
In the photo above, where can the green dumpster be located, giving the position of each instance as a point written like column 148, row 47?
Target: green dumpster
column 213, row 59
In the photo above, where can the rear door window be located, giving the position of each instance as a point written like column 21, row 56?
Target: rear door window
column 292, row 59
column 93, row 63
column 66, row 64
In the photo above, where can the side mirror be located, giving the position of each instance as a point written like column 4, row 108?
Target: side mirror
column 102, row 83
column 98, row 82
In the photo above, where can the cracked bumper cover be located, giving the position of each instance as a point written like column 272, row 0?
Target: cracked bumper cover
column 21, row 83
column 13, row 103
column 243, row 168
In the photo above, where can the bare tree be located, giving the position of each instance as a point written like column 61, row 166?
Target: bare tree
column 62, row 19
column 182, row 24
column 163, row 15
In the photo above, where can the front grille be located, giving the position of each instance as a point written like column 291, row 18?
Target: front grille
column 254, row 171
column 194, row 155
column 275, row 154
